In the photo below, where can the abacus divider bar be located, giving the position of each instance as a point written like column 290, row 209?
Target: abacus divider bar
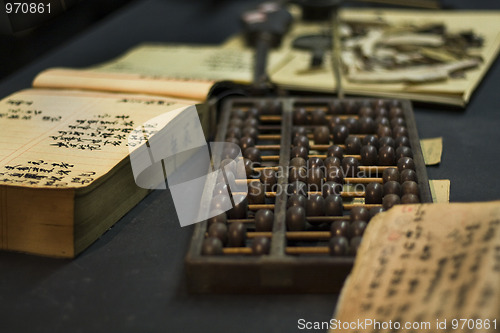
column 347, row 180
column 346, row 206
column 278, row 147
column 288, row 250
column 308, row 218
column 351, row 194
column 278, row 240
column 294, row 235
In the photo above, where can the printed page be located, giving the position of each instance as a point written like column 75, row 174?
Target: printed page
column 426, row 268
column 64, row 139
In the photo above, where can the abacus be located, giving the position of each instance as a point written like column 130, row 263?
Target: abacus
column 317, row 170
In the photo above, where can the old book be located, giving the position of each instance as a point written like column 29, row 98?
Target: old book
column 184, row 71
column 425, row 268
column 65, row 173
column 367, row 30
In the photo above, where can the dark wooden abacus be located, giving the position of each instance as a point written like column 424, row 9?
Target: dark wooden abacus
column 314, row 257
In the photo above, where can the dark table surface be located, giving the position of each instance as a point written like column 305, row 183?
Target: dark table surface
column 132, row 278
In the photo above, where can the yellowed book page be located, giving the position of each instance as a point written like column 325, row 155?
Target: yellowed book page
column 297, row 74
column 69, row 139
column 426, row 268
column 160, row 69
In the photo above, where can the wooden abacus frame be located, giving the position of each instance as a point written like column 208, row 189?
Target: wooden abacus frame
column 282, row 271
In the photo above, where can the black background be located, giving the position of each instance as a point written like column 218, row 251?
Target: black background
column 131, row 279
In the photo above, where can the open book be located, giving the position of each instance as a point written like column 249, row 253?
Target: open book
column 65, row 173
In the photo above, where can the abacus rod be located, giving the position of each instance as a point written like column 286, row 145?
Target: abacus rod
column 288, row 250
column 346, row 206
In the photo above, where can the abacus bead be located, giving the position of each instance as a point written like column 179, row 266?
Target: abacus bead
column 248, row 167
column 381, row 112
column 301, row 140
column 357, row 228
column 233, row 140
column 382, row 121
column 375, row 210
column 396, row 112
column 297, row 187
column 321, row 135
column 219, row 218
column 338, row 246
column 211, row 246
column 296, row 200
column 374, row 193
column 336, row 151
column 300, row 116
column 350, row 166
column 251, row 122
column 360, row 213
column 390, row 200
column 264, row 219
column 297, row 174
column 315, row 162
column 268, row 178
column 408, row 174
column 237, row 113
column 220, row 188
column 397, row 122
column 246, row 142
column 235, row 122
column 390, row 174
column 318, row 117
column 403, row 151
column 386, row 141
column 371, row 140
column 339, row 228
column 299, row 130
column 353, row 145
column 402, row 141
column 275, row 107
column 296, row 218
column 366, row 111
column 392, row 187
column 334, row 174
column 386, row 156
column 256, row 193
column 334, row 107
column 334, row 121
column 354, row 245
column 332, row 161
column 399, row 131
column 298, row 162
column 409, row 187
column 333, row 205
column 340, row 133
column 220, row 202
column 315, row 176
column 299, row 152
column 261, row 246
column 406, row 163
column 409, row 199
column 252, row 154
column 369, row 155
column 352, row 125
column 237, row 234
column 240, row 209
column 331, row 187
column 233, row 132
column 253, row 112
column 350, row 107
column 315, row 205
column 252, row 132
column 218, row 230
column 366, row 125
column 231, row 152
